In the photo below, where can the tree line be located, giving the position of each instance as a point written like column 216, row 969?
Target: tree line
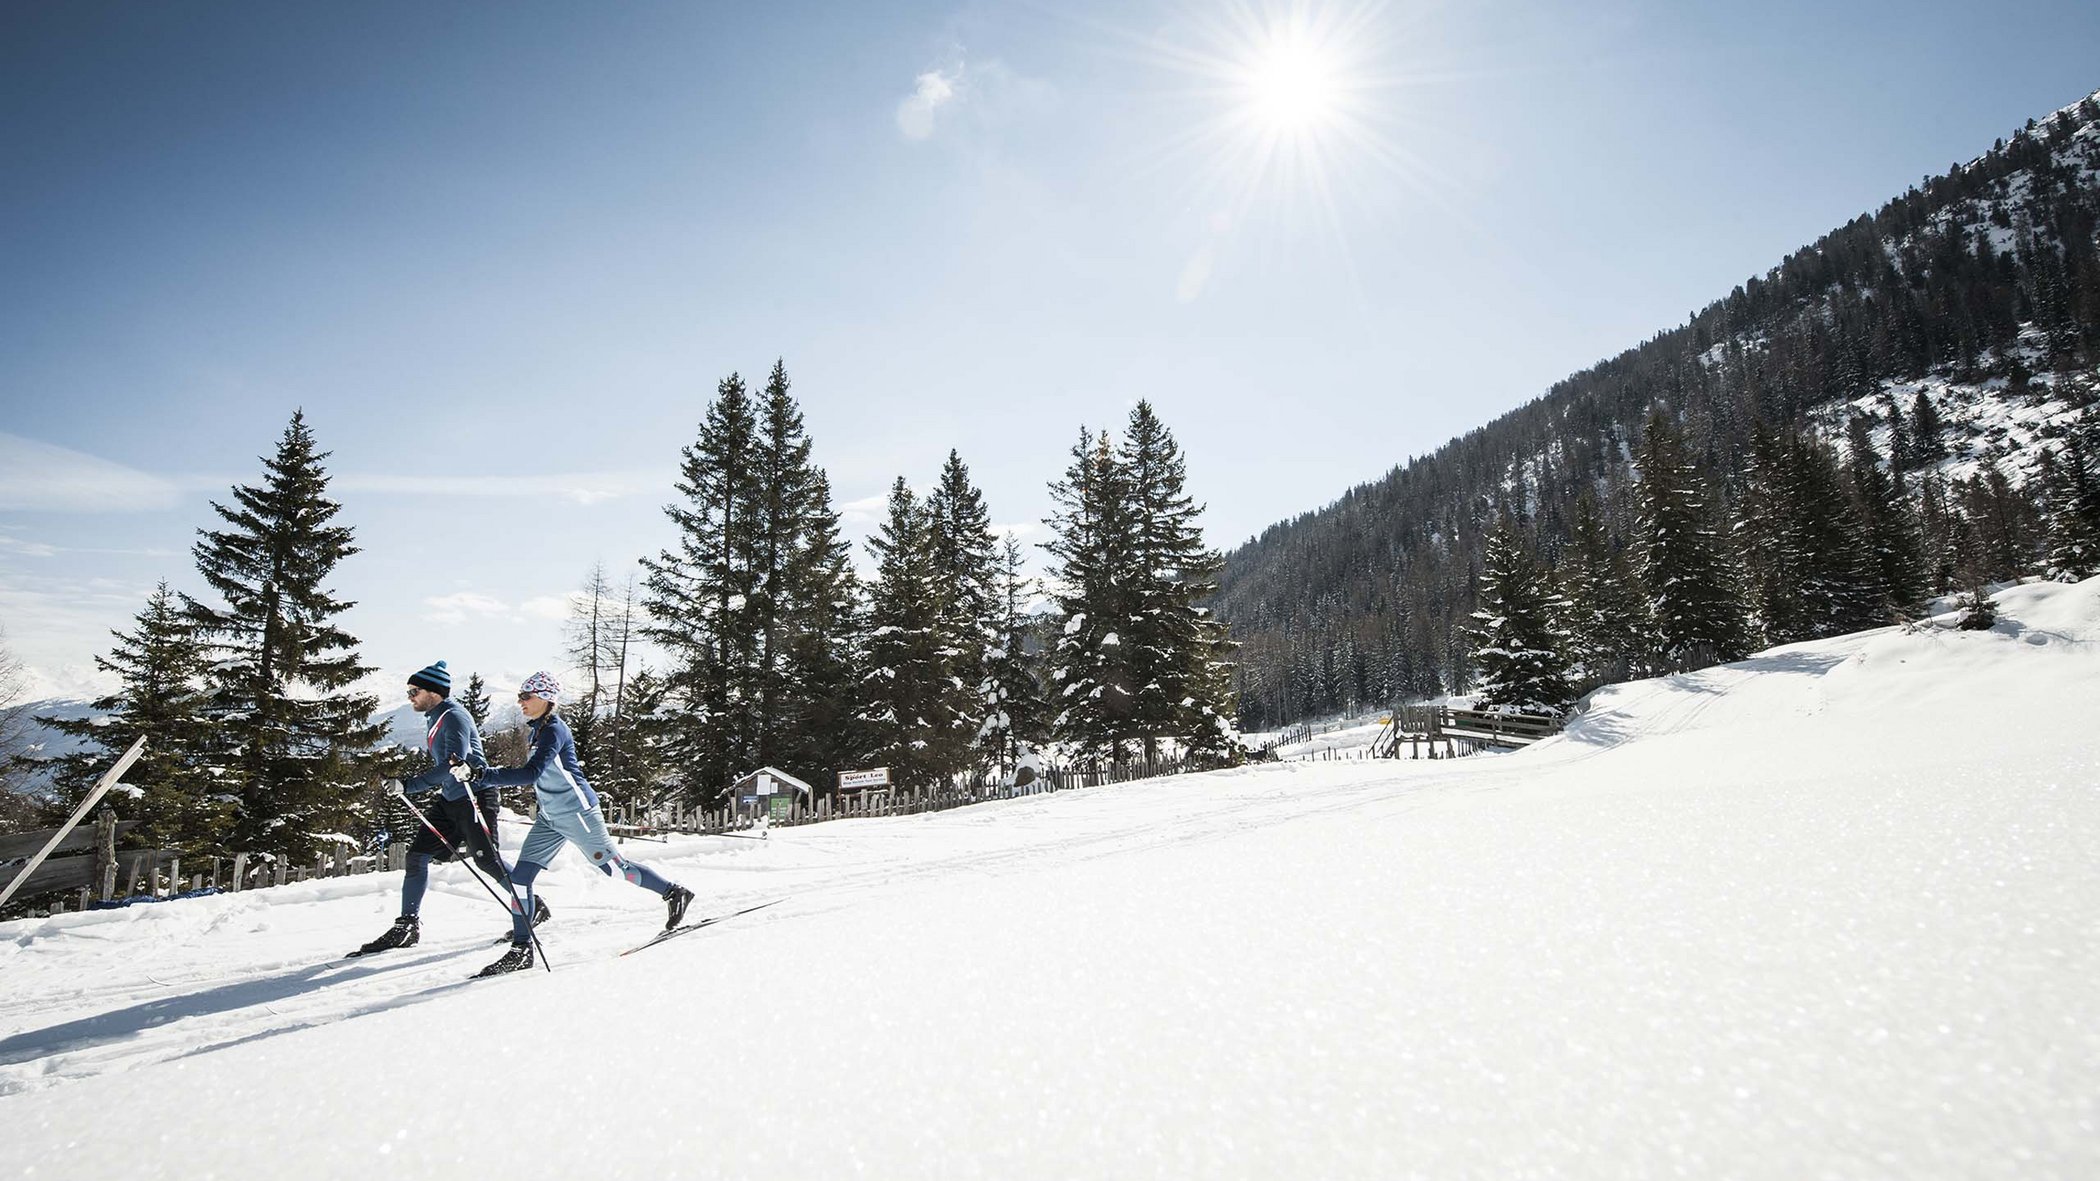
column 950, row 665
column 1789, row 392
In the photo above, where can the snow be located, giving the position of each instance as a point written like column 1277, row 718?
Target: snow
column 1830, row 911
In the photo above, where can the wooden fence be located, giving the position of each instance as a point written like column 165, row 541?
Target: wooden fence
column 1443, row 732
column 160, row 873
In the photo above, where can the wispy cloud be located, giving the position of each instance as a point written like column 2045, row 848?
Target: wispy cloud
column 545, row 607
column 458, row 607
column 933, row 90
column 585, row 488
column 43, row 477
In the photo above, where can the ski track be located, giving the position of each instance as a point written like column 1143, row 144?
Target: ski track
column 159, row 1001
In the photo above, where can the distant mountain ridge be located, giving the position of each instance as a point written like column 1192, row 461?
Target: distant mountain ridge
column 1980, row 289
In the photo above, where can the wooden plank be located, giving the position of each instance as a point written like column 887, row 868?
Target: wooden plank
column 70, row 873
column 22, row 844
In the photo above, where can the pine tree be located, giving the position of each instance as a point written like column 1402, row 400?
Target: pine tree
column 1521, row 647
column 904, row 689
column 1179, row 658
column 960, row 535
column 1695, row 599
column 290, row 744
column 2074, row 516
column 1928, row 440
column 476, row 699
column 160, row 668
column 1608, row 612
column 1897, row 568
column 698, row 597
column 1091, row 538
column 1018, row 721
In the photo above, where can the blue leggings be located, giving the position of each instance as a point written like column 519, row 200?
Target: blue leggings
column 586, row 831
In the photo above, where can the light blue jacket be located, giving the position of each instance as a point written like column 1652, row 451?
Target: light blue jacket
column 451, row 735
column 553, row 770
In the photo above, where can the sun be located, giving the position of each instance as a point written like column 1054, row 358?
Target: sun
column 1293, row 86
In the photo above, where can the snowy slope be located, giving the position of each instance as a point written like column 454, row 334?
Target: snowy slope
column 1834, row 910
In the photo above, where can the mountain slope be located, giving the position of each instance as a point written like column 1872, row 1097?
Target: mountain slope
column 1980, row 289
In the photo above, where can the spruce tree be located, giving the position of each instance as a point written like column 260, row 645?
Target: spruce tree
column 806, row 608
column 1608, row 612
column 904, row 698
column 960, row 535
column 699, row 594
column 1897, row 566
column 2074, row 516
column 476, row 699
column 1091, row 538
column 1694, row 595
column 1521, row 647
column 1018, row 721
column 160, row 668
column 290, row 744
column 1178, row 657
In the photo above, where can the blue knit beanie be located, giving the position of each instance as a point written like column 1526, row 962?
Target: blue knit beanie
column 435, row 679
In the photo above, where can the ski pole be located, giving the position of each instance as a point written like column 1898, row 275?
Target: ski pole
column 516, row 906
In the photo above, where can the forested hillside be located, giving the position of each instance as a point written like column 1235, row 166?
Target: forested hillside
column 1938, row 355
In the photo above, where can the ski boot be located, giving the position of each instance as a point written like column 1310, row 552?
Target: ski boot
column 518, row 958
column 404, row 933
column 677, row 898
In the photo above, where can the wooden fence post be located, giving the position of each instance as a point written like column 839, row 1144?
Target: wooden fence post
column 106, row 852
column 240, row 871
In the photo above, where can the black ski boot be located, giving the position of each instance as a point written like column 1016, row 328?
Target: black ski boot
column 518, row 958
column 677, row 898
column 540, row 914
column 404, row 933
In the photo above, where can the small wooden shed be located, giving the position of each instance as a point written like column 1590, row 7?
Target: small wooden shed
column 771, row 793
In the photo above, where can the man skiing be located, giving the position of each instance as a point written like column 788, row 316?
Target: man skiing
column 450, row 809
column 568, row 813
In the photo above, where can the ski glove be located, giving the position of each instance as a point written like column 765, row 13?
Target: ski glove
column 464, row 773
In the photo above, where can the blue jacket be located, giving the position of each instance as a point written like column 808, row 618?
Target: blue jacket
column 553, row 770
column 451, row 734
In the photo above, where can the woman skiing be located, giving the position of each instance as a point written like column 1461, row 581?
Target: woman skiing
column 568, row 813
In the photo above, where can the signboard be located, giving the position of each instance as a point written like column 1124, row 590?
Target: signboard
column 854, row 780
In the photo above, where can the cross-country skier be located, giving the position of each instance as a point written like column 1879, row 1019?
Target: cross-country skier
column 451, row 737
column 568, row 813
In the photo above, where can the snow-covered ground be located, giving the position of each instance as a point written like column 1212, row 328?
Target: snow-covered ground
column 1832, row 911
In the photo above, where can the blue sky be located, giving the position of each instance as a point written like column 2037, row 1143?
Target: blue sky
column 501, row 254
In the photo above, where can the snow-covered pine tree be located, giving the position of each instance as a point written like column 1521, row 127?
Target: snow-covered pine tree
column 960, row 533
column 905, row 694
column 2074, row 515
column 1608, row 620
column 160, row 668
column 1179, row 658
column 1091, row 538
column 1897, row 566
column 289, row 743
column 698, row 596
column 1018, row 718
column 1522, row 649
column 1807, row 559
column 1694, row 595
